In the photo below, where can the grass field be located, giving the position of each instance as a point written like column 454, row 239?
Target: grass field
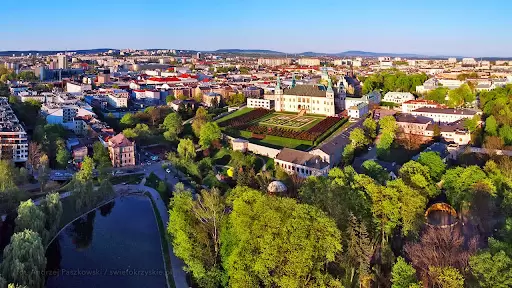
column 290, row 121
column 277, row 142
column 235, row 114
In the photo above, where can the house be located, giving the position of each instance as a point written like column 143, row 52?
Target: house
column 211, row 99
column 424, row 126
column 357, row 111
column 370, row 98
column 398, row 97
column 303, row 164
column 122, row 151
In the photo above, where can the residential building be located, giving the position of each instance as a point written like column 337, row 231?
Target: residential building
column 357, row 111
column 398, row 97
column 62, row 62
column 252, row 92
column 122, row 151
column 444, row 115
column 73, row 87
column 301, row 163
column 307, row 99
column 260, row 103
column 13, row 138
column 309, row 61
column 274, row 61
column 412, row 105
column 370, row 98
column 211, row 99
column 469, row 62
column 117, row 101
column 452, row 60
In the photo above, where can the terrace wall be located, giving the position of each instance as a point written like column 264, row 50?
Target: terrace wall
column 254, row 148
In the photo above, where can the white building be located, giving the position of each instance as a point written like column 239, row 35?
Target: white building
column 444, row 115
column 301, row 163
column 412, row 105
column 469, row 61
column 309, row 99
column 398, row 97
column 116, row 101
column 370, row 98
column 452, row 60
column 72, row 87
column 62, row 62
column 357, row 111
column 309, row 61
column 274, row 61
column 260, row 103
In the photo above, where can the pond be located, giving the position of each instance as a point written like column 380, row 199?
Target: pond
column 117, row 245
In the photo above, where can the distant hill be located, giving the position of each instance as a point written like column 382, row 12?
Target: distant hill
column 247, row 51
column 48, row 52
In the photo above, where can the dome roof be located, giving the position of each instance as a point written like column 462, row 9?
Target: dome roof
column 276, row 187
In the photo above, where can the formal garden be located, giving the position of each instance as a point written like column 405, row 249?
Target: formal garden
column 277, row 130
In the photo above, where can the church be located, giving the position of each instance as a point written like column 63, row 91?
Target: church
column 306, row 99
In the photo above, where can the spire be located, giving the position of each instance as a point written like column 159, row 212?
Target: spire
column 293, row 80
column 329, row 86
column 278, row 86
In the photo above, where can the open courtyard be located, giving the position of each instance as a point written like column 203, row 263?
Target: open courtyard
column 279, row 129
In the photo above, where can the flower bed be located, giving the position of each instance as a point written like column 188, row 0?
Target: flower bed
column 242, row 120
column 310, row 135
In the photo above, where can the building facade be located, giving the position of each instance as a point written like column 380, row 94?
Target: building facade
column 301, row 163
column 309, row 99
column 260, row 103
column 122, row 151
column 398, row 97
column 13, row 138
column 274, row 61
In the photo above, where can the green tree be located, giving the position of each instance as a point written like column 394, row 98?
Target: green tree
column 374, row 170
column 196, row 231
column 128, row 120
column 83, row 190
column 438, row 95
column 370, row 128
column 100, row 155
column 43, row 171
column 24, row 260
column 447, row 277
column 388, row 123
column 62, row 157
column 86, row 170
column 434, row 163
column 505, row 133
column 403, row 274
column 472, row 123
column 348, row 154
column 30, row 217
column 174, row 125
column 418, row 176
column 209, row 133
column 186, row 149
column 493, row 267
column 460, row 184
column 199, row 120
column 491, row 126
column 7, row 175
column 169, row 98
column 358, row 138
column 303, row 243
column 52, row 210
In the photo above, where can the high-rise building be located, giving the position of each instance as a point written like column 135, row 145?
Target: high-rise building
column 13, row 138
column 62, row 61
column 274, row 61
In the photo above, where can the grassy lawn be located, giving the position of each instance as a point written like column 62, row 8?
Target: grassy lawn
column 289, row 121
column 164, row 241
column 277, row 142
column 128, row 179
column 235, row 114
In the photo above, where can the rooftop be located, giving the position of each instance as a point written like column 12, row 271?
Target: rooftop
column 445, row 111
column 301, row 158
column 306, row 90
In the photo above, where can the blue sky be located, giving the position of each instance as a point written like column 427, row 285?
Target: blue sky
column 449, row 27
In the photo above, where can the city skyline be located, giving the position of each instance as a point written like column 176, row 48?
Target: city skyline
column 440, row 28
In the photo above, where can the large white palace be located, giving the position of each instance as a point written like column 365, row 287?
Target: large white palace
column 305, row 99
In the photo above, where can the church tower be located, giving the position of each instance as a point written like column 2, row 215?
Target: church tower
column 330, row 92
column 278, row 95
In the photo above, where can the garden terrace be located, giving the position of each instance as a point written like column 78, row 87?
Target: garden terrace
column 245, row 118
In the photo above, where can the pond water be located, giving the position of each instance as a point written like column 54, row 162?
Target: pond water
column 117, row 245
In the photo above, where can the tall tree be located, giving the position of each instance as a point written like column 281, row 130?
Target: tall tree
column 199, row 120
column 491, row 126
column 62, row 157
column 24, row 260
column 52, row 210
column 34, row 156
column 493, row 267
column 173, row 125
column 210, row 132
column 447, row 277
column 374, row 170
column 403, row 274
column 100, row 155
column 358, row 138
column 186, row 149
column 195, row 230
column 434, row 163
column 370, row 128
column 44, row 171
column 30, row 217
column 273, row 241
